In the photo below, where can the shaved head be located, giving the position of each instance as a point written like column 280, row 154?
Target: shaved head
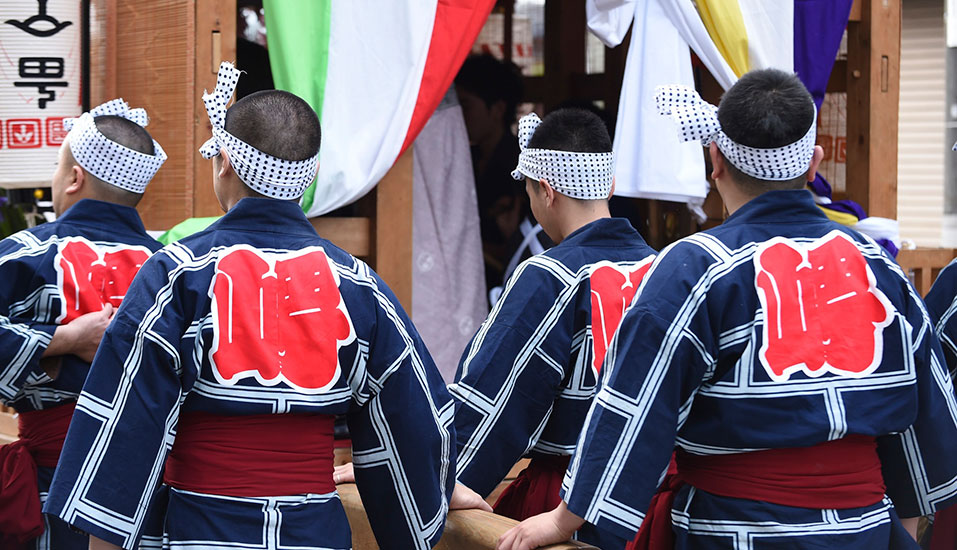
column 125, row 132
column 277, row 123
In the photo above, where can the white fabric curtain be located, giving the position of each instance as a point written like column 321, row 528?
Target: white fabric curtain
column 650, row 161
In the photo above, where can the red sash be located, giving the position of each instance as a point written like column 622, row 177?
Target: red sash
column 41, row 439
column 535, row 490
column 840, row 474
column 252, row 456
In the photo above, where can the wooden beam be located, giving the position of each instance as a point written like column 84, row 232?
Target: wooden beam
column 350, row 234
column 393, row 229
column 873, row 94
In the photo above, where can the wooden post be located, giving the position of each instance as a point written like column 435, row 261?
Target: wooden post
column 215, row 39
column 393, row 229
column 873, row 94
column 564, row 50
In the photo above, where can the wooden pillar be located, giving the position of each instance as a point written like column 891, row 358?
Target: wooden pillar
column 393, row 229
column 873, row 94
column 564, row 49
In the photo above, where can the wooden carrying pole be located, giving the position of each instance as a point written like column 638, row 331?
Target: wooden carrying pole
column 464, row 529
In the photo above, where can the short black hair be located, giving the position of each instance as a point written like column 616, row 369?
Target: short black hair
column 492, row 80
column 125, row 132
column 765, row 109
column 277, row 123
column 574, row 130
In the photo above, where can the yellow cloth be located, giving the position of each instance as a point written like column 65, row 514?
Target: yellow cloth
column 725, row 25
column 842, row 218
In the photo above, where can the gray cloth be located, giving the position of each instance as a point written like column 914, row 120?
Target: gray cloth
column 448, row 276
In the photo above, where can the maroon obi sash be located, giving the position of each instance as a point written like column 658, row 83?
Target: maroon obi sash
column 41, row 439
column 535, row 490
column 840, row 474
column 253, row 455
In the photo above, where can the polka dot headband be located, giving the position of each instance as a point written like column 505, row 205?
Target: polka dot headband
column 577, row 175
column 272, row 176
column 104, row 158
column 698, row 120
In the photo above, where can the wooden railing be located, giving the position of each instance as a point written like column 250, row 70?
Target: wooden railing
column 923, row 265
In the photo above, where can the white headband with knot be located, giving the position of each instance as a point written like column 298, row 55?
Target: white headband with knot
column 272, row 176
column 104, row 158
column 578, row 175
column 698, row 120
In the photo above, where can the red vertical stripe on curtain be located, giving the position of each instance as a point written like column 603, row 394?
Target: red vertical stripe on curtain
column 457, row 24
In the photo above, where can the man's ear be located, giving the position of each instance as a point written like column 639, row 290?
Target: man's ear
column 225, row 166
column 815, row 162
column 548, row 190
column 717, row 162
column 78, row 179
column 612, row 192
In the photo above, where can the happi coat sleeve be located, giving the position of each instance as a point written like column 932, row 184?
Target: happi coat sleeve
column 942, row 305
column 512, row 371
column 919, row 464
column 663, row 350
column 112, row 461
column 22, row 340
column 403, row 438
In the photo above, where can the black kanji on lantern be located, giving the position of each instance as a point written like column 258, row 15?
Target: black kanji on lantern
column 42, row 67
column 29, row 24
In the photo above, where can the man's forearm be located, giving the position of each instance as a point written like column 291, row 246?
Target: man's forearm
column 63, row 341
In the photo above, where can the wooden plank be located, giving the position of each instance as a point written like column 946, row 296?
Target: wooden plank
column 464, row 529
column 873, row 94
column 393, row 229
column 215, row 41
column 350, row 234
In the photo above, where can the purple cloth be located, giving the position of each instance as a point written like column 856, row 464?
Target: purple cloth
column 818, row 28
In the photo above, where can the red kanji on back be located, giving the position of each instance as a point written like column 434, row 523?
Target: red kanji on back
column 612, row 290
column 278, row 318
column 822, row 309
column 90, row 276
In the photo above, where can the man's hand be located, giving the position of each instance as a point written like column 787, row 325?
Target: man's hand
column 549, row 528
column 97, row 544
column 911, row 525
column 344, row 474
column 81, row 336
column 464, row 498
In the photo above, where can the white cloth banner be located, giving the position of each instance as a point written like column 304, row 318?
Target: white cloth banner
column 650, row 160
column 40, row 87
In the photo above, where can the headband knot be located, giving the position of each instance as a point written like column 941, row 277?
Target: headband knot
column 586, row 176
column 697, row 120
column 109, row 161
column 271, row 176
